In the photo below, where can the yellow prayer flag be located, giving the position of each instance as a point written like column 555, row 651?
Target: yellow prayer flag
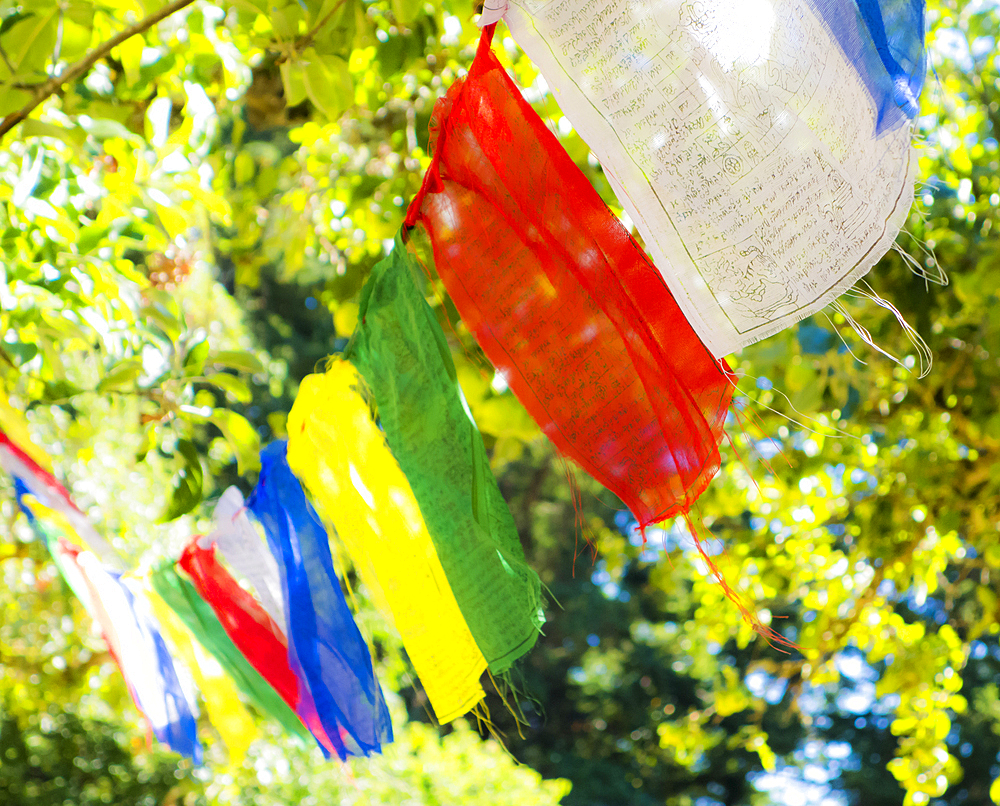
column 336, row 450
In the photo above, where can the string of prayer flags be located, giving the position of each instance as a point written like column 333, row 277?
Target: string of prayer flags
column 198, row 616
column 401, row 351
column 122, row 615
column 245, row 550
column 257, row 637
column 138, row 648
column 234, row 724
column 562, row 301
column 762, row 147
column 323, row 639
column 36, row 512
column 20, row 464
column 337, row 450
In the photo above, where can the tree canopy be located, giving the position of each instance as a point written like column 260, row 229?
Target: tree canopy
column 187, row 216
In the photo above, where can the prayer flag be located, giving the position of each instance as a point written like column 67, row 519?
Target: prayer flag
column 259, row 639
column 564, row 302
column 222, row 702
column 339, row 453
column 199, row 617
column 762, row 147
column 323, row 639
column 401, row 351
column 134, row 640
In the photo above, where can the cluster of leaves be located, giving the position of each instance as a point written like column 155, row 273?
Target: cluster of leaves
column 185, row 229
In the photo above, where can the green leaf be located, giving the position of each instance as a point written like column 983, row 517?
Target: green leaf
column 13, row 19
column 22, row 352
column 328, row 82
column 406, row 11
column 194, row 361
column 238, row 359
column 169, row 323
column 231, row 384
column 71, row 135
column 188, row 483
column 148, row 442
column 241, row 437
column 124, row 373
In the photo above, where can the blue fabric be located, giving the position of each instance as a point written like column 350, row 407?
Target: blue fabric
column 21, row 490
column 180, row 733
column 323, row 639
column 884, row 40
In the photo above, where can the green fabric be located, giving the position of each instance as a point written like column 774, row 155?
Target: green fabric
column 197, row 615
column 401, row 351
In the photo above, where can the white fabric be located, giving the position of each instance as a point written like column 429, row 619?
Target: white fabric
column 52, row 495
column 740, row 141
column 493, row 10
column 244, row 549
column 136, row 646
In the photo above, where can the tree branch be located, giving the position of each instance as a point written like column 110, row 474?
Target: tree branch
column 83, row 66
column 306, row 39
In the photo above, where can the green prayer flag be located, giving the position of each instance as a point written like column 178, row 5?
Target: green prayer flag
column 401, row 351
column 197, row 615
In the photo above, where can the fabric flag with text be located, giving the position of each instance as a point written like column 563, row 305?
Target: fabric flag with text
column 762, row 147
column 339, row 453
column 401, row 352
column 324, row 642
column 564, row 302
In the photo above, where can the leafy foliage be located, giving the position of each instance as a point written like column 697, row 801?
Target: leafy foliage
column 185, row 229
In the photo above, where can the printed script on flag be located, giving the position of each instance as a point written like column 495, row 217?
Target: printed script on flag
column 740, row 140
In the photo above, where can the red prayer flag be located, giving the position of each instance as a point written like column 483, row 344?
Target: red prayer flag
column 565, row 303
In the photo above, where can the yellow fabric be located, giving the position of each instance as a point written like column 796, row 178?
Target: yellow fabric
column 236, row 727
column 14, row 424
column 59, row 522
column 336, row 450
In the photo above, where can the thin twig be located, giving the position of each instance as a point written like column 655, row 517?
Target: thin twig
column 83, row 66
column 6, row 60
column 306, row 39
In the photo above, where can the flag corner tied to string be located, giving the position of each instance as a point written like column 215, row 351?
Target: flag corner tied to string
column 762, row 147
column 565, row 303
column 324, row 643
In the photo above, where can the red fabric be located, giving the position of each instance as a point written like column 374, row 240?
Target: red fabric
column 247, row 623
column 565, row 303
column 255, row 634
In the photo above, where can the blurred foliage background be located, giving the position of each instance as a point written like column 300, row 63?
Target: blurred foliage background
column 185, row 225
